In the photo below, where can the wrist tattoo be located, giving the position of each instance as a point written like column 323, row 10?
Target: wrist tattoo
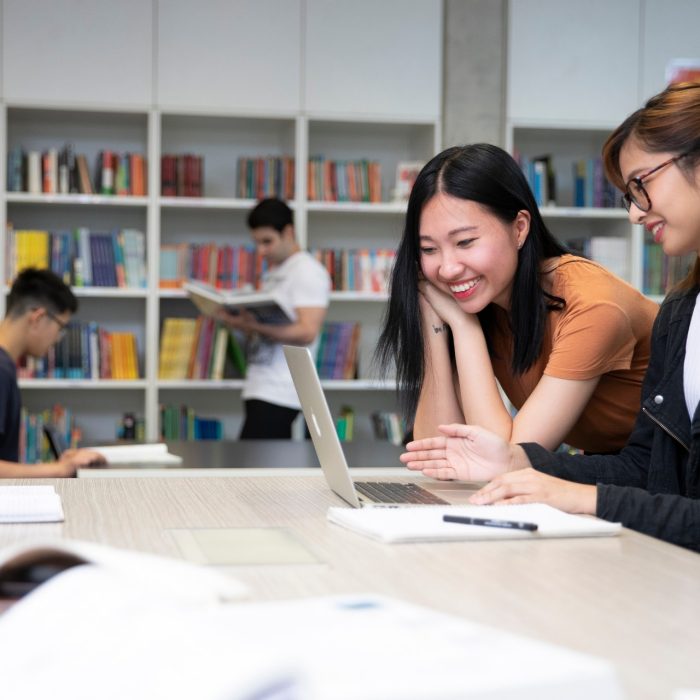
column 440, row 329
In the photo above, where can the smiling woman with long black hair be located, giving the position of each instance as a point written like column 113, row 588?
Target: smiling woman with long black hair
column 482, row 286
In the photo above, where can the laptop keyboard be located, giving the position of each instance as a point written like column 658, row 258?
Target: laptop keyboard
column 395, row 492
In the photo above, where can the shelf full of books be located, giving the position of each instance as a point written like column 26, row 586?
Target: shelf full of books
column 80, row 257
column 126, row 205
column 86, row 351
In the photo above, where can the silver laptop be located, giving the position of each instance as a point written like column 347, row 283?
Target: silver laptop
column 330, row 452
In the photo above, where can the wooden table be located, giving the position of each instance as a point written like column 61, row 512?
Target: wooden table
column 631, row 599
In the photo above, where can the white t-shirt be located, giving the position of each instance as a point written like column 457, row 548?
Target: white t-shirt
column 304, row 282
column 691, row 366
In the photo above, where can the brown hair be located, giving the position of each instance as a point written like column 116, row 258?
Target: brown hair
column 668, row 123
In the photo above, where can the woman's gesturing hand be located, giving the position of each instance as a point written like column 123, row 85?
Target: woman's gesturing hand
column 464, row 452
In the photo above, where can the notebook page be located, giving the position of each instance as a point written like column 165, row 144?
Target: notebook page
column 30, row 504
column 425, row 523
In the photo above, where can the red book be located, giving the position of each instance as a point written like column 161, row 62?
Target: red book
column 168, row 180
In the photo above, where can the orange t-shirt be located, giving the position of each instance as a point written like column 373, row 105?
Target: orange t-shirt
column 604, row 329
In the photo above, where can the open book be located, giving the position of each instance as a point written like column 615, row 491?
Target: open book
column 95, row 638
column 266, row 307
column 30, row 504
column 425, row 523
column 147, row 453
column 26, row 565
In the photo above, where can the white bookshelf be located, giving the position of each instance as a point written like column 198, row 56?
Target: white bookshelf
column 199, row 80
column 218, row 217
column 567, row 143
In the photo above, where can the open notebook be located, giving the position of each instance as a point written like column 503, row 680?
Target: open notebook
column 128, row 454
column 426, row 524
column 30, row 504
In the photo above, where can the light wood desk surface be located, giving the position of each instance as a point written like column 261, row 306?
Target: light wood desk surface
column 234, row 457
column 631, row 599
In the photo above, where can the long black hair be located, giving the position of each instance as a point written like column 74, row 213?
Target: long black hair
column 488, row 175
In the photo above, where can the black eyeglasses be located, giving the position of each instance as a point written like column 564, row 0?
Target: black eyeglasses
column 62, row 327
column 635, row 192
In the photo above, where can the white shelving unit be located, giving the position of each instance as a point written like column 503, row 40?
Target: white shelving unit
column 567, row 143
column 218, row 217
column 198, row 80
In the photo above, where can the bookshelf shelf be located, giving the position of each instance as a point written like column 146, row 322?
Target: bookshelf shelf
column 201, row 384
column 102, row 292
column 110, row 292
column 82, row 384
column 376, row 297
column 584, row 213
column 357, row 385
column 205, row 203
column 94, row 200
column 357, row 207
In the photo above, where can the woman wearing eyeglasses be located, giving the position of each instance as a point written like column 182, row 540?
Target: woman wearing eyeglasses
column 487, row 292
column 653, row 484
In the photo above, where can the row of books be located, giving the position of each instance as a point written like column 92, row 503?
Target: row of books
column 345, row 424
column 662, row 272
column 361, row 270
column 198, row 348
column 272, row 176
column 337, row 354
column 182, row 175
column 344, row 180
column 62, row 171
column 181, row 423
column 223, row 267
column 33, row 444
column 390, row 426
column 87, row 351
column 591, row 187
column 541, row 178
column 81, row 257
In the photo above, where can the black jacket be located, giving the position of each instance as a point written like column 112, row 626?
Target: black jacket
column 653, row 484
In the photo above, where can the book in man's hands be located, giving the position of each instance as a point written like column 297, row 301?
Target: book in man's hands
column 265, row 307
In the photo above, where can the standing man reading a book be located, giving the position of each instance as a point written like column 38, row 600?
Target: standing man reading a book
column 271, row 403
column 39, row 307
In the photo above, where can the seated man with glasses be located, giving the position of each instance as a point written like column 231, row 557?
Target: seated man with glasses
column 39, row 307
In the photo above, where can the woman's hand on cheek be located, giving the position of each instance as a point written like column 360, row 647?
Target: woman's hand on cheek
column 532, row 486
column 442, row 304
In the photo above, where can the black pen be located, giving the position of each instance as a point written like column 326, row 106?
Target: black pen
column 488, row 522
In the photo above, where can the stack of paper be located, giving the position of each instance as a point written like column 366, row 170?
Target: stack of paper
column 426, row 524
column 30, row 504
